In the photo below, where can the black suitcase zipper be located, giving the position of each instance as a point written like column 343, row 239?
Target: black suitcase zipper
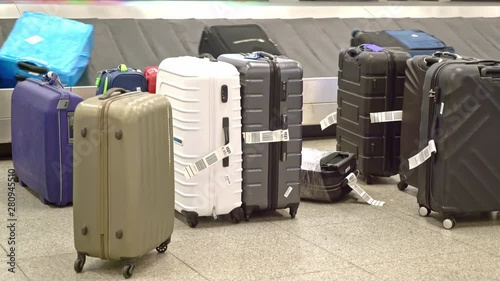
column 434, row 96
column 274, row 124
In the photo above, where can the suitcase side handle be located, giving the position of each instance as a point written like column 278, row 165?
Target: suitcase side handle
column 111, row 91
column 31, row 67
column 225, row 127
column 207, row 56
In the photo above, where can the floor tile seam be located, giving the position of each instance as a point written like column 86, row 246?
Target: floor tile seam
column 189, row 266
column 24, row 273
column 299, row 274
column 46, row 256
column 415, row 258
column 334, row 223
column 320, row 247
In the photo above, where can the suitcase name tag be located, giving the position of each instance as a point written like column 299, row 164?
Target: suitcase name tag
column 266, row 136
column 423, row 155
column 208, row 161
column 352, row 181
column 387, row 116
column 328, row 121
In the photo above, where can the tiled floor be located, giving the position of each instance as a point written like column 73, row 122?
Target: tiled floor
column 349, row 240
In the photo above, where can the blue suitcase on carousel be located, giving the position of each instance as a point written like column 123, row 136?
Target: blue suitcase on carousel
column 40, row 43
column 415, row 42
column 124, row 77
column 42, row 138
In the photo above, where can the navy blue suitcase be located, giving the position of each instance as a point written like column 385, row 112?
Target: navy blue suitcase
column 42, row 138
column 121, row 77
column 415, row 42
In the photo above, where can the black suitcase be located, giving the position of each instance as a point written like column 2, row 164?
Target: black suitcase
column 460, row 114
column 412, row 102
column 234, row 39
column 271, row 100
column 369, row 82
column 323, row 175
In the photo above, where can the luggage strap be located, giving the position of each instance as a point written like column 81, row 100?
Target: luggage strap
column 329, row 120
column 266, row 136
column 386, row 116
column 208, row 161
column 352, row 181
column 423, row 155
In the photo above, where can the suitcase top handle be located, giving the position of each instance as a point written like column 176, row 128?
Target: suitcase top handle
column 53, row 79
column 111, row 91
column 260, row 54
column 207, row 56
column 447, row 54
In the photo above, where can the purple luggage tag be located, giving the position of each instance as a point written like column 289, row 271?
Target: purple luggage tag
column 371, row 47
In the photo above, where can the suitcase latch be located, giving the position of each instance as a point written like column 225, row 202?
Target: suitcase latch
column 224, row 93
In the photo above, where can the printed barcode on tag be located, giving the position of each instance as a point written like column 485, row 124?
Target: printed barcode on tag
column 215, row 156
column 254, row 137
column 211, row 159
column 330, row 120
column 200, row 165
column 267, row 137
column 285, row 135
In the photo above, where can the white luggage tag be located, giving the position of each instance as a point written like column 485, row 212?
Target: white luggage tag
column 208, row 161
column 266, row 136
column 352, row 181
column 423, row 155
column 328, row 121
column 386, row 116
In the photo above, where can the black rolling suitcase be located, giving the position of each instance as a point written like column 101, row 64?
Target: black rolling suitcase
column 234, row 39
column 412, row 102
column 324, row 175
column 271, row 109
column 459, row 133
column 370, row 80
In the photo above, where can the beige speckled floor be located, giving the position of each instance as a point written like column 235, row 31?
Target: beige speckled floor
column 345, row 241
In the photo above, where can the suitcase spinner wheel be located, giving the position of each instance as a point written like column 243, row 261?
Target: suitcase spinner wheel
column 237, row 215
column 402, row 185
column 369, row 179
column 163, row 246
column 449, row 223
column 191, row 218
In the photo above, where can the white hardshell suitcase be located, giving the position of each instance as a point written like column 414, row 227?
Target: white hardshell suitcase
column 205, row 99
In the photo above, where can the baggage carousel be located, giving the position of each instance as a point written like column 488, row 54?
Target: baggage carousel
column 140, row 34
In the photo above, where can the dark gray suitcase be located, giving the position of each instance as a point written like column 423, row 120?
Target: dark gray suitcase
column 460, row 112
column 412, row 102
column 370, row 82
column 271, row 96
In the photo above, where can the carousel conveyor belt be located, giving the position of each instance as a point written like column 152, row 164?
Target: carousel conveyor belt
column 314, row 42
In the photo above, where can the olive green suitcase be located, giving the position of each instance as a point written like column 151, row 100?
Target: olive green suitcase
column 123, row 200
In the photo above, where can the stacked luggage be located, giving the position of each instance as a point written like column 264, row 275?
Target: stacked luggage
column 415, row 42
column 259, row 172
